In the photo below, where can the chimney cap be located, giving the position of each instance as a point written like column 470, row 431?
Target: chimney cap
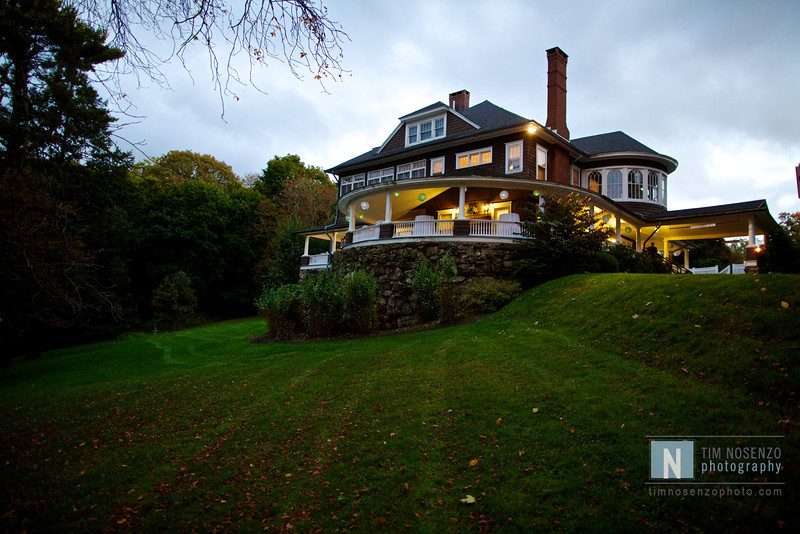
column 556, row 50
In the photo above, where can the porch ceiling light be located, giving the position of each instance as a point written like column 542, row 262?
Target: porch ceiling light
column 504, row 194
column 628, row 229
column 422, row 197
column 364, row 205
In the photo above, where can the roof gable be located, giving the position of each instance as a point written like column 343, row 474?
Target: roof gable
column 611, row 142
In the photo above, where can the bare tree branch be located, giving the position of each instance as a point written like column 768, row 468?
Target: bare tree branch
column 298, row 33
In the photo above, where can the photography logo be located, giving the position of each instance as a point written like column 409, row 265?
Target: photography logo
column 671, row 460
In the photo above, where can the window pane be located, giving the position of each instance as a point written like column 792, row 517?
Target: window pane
column 439, row 125
column 473, row 159
column 615, row 183
column 635, row 185
column 486, row 157
column 463, row 161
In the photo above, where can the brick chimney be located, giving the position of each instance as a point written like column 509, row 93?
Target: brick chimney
column 556, row 91
column 459, row 100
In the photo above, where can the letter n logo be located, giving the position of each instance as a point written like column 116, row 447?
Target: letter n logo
column 671, row 459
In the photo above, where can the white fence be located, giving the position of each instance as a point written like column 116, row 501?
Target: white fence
column 735, row 268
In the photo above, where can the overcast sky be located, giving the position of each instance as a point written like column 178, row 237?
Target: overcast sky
column 713, row 84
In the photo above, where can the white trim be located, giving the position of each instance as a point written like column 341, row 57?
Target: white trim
column 394, row 132
column 442, row 107
column 479, row 152
column 434, row 160
column 510, row 145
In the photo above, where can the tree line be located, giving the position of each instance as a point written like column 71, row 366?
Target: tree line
column 92, row 244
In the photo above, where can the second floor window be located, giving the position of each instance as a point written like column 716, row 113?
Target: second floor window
column 427, row 130
column 635, row 184
column 653, row 180
column 614, row 184
column 351, row 182
column 381, row 176
column 437, row 166
column 514, row 157
column 411, row 170
column 473, row 158
column 596, row 182
column 541, row 163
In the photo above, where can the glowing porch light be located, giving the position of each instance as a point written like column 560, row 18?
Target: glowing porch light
column 396, row 194
column 364, row 205
column 628, row 229
column 531, row 127
column 758, row 249
column 504, row 194
column 422, row 197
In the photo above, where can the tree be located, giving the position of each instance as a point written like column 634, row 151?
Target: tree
column 299, row 33
column 281, row 169
column 61, row 180
column 563, row 243
column 177, row 166
column 791, row 223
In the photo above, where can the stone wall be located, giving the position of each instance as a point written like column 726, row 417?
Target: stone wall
column 393, row 265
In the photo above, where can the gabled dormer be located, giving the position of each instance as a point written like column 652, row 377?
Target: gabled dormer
column 432, row 123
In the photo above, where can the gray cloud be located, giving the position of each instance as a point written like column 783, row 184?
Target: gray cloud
column 702, row 82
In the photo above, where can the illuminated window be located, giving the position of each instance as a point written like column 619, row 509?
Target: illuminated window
column 596, row 182
column 635, row 184
column 437, row 166
column 652, row 186
column 614, row 183
column 473, row 158
column 514, row 157
column 427, row 130
column 541, row 163
column 411, row 170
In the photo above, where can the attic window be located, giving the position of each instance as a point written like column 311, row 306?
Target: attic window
column 427, row 130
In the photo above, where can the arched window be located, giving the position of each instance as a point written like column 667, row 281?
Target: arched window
column 635, row 184
column 652, row 186
column 596, row 182
column 614, row 183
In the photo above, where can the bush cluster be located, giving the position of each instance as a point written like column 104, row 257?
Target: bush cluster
column 321, row 305
column 486, row 294
column 630, row 261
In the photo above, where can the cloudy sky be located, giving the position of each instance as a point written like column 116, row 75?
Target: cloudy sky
column 715, row 85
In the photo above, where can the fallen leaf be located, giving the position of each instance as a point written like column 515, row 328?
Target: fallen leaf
column 121, row 521
column 469, row 499
column 763, row 289
column 473, row 462
column 536, row 410
column 784, row 304
column 647, row 304
column 499, row 421
column 635, row 316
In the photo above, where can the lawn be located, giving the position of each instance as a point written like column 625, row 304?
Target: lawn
column 540, row 412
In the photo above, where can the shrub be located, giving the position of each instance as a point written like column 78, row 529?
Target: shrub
column 425, row 284
column 174, row 299
column 447, row 293
column 630, row 261
column 486, row 294
column 322, row 298
column 360, row 302
column 280, row 306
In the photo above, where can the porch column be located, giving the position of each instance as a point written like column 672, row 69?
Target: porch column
column 462, row 201
column 305, row 248
column 541, row 204
column 751, row 232
column 619, row 228
column 388, row 215
column 333, row 243
column 666, row 249
column 639, row 243
column 686, row 259
column 351, row 211
column 591, row 217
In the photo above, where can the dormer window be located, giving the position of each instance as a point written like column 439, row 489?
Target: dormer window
column 427, row 130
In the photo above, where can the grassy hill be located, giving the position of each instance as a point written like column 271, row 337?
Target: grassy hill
column 540, row 412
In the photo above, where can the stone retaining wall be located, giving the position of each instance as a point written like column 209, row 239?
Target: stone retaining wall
column 393, row 265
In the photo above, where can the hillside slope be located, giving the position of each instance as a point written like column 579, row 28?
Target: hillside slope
column 540, row 412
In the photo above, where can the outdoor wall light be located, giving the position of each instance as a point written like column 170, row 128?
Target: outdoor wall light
column 422, row 197
column 504, row 194
column 758, row 249
column 531, row 127
column 485, row 208
column 365, row 205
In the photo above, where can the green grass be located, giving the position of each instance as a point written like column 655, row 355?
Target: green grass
column 202, row 429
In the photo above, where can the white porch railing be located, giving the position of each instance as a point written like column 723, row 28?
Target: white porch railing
column 494, row 228
column 319, row 259
column 423, row 228
column 440, row 228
